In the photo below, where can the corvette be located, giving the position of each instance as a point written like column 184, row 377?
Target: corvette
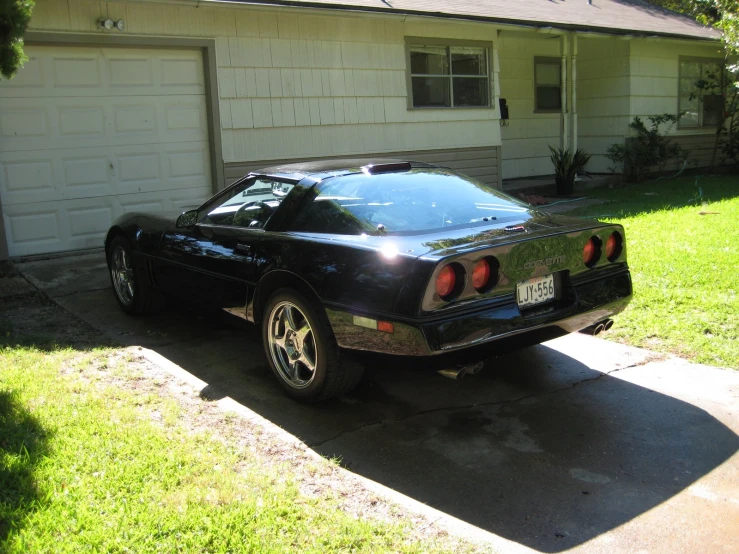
column 379, row 255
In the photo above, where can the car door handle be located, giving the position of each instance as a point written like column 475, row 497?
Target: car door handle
column 242, row 248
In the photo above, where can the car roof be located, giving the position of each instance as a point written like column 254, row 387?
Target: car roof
column 321, row 169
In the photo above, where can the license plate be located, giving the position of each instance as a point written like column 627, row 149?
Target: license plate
column 535, row 291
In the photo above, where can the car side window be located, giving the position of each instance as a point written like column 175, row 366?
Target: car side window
column 250, row 204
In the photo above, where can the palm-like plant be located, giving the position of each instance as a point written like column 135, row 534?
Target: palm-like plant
column 568, row 164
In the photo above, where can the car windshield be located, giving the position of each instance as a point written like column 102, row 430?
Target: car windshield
column 249, row 204
column 419, row 200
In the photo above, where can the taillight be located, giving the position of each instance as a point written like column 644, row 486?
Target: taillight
column 591, row 251
column 446, row 281
column 485, row 274
column 614, row 245
column 481, row 274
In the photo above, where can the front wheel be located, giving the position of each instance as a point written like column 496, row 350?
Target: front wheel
column 132, row 290
column 302, row 351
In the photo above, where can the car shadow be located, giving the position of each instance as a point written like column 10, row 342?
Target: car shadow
column 539, row 448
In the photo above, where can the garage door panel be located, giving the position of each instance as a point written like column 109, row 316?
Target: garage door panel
column 77, row 71
column 38, row 230
column 180, row 71
column 139, row 169
column 30, row 77
column 54, row 71
column 22, row 124
column 26, row 176
column 81, row 122
column 89, row 133
column 49, row 175
column 134, row 119
column 40, row 124
column 78, row 224
column 84, row 175
column 188, row 166
column 131, row 70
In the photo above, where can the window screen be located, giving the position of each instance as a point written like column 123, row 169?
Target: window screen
column 700, row 93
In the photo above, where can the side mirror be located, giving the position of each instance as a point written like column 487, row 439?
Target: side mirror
column 187, row 220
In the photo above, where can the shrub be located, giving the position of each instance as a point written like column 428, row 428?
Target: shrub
column 649, row 150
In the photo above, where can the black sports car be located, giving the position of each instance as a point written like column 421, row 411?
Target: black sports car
column 376, row 255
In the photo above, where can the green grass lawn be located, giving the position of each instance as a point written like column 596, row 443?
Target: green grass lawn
column 92, row 462
column 684, row 265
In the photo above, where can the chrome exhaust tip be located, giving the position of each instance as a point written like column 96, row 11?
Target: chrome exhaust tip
column 460, row 371
column 598, row 328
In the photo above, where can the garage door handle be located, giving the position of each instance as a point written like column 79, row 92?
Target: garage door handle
column 242, row 248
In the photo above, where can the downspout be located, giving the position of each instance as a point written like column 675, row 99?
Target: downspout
column 563, row 90
column 574, row 92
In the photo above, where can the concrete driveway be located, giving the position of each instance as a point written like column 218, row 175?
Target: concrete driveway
column 575, row 444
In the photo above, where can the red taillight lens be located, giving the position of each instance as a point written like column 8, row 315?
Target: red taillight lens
column 614, row 246
column 385, row 327
column 481, row 274
column 445, row 281
column 589, row 252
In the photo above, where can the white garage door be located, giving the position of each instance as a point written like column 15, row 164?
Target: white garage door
column 88, row 133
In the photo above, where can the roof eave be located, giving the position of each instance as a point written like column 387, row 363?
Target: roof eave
column 534, row 25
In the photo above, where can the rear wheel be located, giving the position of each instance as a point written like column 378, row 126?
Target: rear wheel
column 302, row 351
column 132, row 289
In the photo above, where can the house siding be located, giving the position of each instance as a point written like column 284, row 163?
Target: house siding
column 654, row 86
column 284, row 94
column 479, row 163
column 654, row 74
column 603, row 89
column 526, row 138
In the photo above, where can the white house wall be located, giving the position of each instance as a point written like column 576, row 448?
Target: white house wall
column 527, row 136
column 301, row 86
column 603, row 89
column 654, row 74
column 654, row 86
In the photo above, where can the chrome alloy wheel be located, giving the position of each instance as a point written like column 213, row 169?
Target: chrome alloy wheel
column 122, row 272
column 292, row 345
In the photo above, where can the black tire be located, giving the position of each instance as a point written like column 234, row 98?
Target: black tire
column 334, row 373
column 140, row 297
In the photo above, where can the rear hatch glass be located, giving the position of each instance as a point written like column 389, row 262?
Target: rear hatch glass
column 421, row 200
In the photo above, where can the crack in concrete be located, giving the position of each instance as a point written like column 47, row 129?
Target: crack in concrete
column 645, row 361
column 73, row 292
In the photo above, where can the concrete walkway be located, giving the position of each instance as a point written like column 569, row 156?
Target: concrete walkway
column 576, row 445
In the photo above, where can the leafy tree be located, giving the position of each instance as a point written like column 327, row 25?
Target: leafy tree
column 14, row 18
column 722, row 14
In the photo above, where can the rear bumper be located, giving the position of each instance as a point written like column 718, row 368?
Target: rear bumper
column 585, row 304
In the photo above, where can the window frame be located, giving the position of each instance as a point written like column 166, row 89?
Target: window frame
column 550, row 60
column 411, row 42
column 228, row 193
column 693, row 59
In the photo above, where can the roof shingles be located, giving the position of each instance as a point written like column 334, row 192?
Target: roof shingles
column 616, row 16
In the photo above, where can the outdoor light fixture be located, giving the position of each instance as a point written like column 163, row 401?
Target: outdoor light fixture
column 108, row 24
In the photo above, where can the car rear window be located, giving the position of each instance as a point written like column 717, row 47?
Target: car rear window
column 415, row 201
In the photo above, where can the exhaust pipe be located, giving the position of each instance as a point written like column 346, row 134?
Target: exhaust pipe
column 598, row 327
column 461, row 370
